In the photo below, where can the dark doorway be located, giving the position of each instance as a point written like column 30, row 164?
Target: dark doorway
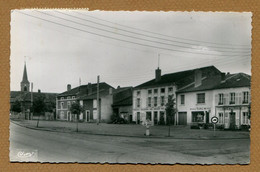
column 207, row 117
column 149, row 116
column 232, row 120
column 162, row 122
column 88, row 115
column 155, row 118
column 182, row 116
column 130, row 118
column 138, row 118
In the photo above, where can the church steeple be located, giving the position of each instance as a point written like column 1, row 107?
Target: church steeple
column 25, row 84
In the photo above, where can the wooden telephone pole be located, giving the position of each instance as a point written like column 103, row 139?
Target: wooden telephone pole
column 98, row 113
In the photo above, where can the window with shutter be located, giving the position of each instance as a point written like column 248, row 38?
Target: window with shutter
column 245, row 97
column 155, row 101
column 221, row 99
column 232, row 98
column 182, row 99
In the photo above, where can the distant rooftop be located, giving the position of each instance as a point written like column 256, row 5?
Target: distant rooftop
column 177, row 77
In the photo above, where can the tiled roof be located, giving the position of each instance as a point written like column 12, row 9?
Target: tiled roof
column 179, row 78
column 206, row 84
column 83, row 89
column 123, row 96
column 93, row 95
column 128, row 101
column 235, row 80
column 230, row 81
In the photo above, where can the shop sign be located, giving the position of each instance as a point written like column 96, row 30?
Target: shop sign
column 156, row 108
column 201, row 108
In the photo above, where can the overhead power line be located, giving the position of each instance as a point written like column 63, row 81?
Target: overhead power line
column 178, row 68
column 153, row 37
column 123, row 40
column 147, row 31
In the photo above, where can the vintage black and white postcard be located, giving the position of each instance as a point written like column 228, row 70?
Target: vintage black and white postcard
column 130, row 87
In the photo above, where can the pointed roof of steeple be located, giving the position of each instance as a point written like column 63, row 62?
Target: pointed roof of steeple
column 25, row 78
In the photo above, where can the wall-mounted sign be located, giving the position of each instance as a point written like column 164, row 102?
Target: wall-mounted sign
column 201, row 108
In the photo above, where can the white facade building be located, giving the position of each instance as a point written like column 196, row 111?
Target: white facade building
column 150, row 98
column 149, row 103
column 228, row 99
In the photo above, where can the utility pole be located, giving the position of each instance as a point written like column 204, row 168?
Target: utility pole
column 32, row 100
column 98, row 115
column 158, row 61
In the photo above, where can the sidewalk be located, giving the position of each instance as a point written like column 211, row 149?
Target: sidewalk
column 133, row 130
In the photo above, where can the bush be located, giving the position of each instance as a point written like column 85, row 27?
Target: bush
column 207, row 126
column 115, row 119
column 220, row 127
column 245, row 127
column 194, row 126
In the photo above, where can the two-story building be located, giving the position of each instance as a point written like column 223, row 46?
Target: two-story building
column 150, row 98
column 224, row 96
column 86, row 95
column 232, row 100
column 196, row 101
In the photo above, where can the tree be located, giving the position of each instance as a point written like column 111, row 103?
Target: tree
column 170, row 111
column 16, row 107
column 39, row 107
column 76, row 109
column 50, row 107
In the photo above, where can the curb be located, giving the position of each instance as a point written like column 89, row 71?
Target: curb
column 118, row 135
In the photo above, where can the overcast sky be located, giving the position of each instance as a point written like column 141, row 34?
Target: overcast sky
column 122, row 47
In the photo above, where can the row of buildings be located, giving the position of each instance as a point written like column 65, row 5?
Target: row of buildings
column 200, row 94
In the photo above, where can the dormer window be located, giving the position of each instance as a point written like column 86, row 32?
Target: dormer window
column 62, row 98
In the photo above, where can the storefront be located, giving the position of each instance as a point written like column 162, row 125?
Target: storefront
column 232, row 117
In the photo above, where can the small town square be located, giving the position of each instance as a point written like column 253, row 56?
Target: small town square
column 130, row 87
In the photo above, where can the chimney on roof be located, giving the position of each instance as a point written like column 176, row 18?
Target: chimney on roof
column 198, row 77
column 68, row 87
column 110, row 90
column 118, row 86
column 89, row 88
column 157, row 74
column 223, row 75
column 39, row 91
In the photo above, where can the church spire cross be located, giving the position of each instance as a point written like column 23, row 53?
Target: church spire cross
column 25, row 78
column 25, row 84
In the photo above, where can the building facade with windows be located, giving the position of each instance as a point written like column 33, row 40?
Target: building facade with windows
column 122, row 103
column 150, row 98
column 86, row 95
column 232, row 101
column 221, row 95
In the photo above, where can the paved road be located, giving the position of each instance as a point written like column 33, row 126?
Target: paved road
column 68, row 147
